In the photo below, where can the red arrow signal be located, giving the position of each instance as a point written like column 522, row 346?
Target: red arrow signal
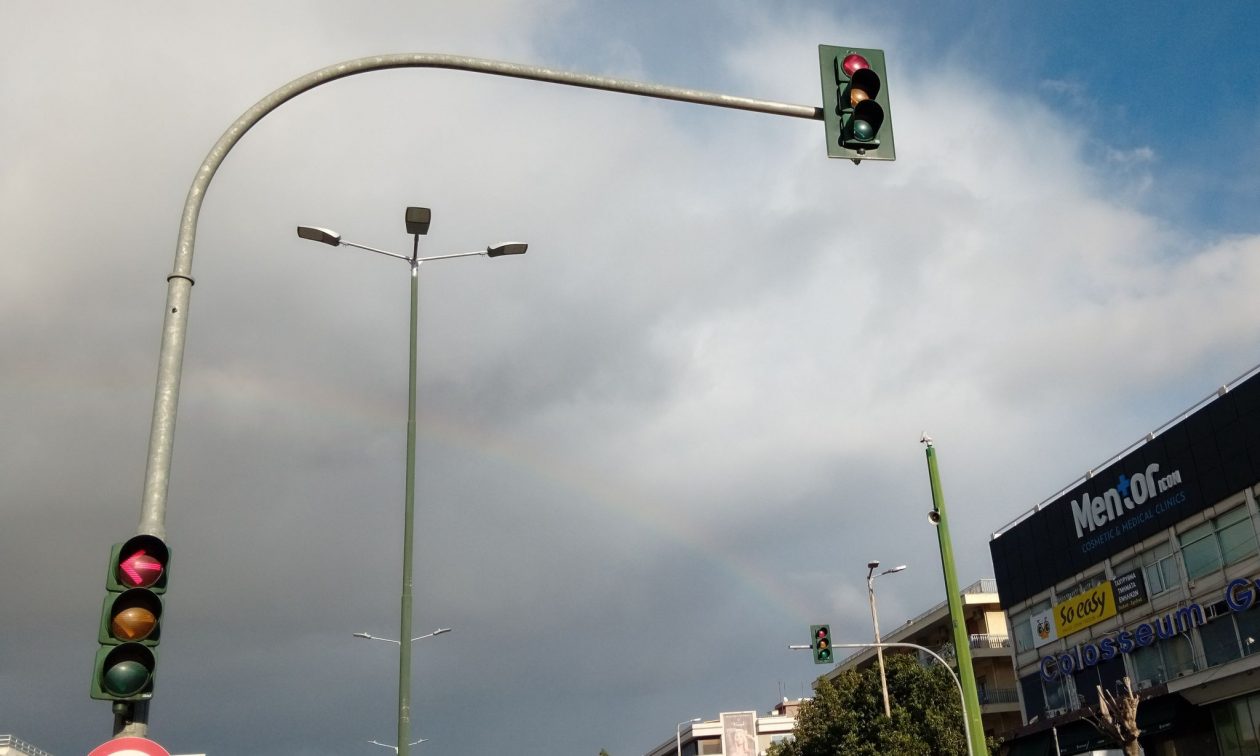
column 140, row 569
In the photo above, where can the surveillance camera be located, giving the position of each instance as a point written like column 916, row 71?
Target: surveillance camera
column 934, row 517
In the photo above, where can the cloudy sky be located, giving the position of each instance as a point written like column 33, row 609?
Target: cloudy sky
column 653, row 450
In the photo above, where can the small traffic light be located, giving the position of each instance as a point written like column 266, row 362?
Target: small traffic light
column 856, row 114
column 820, row 643
column 131, row 620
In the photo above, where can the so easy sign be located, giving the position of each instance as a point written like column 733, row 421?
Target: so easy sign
column 1085, row 609
column 1077, row 613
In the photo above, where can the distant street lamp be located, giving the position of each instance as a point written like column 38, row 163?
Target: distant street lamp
column 417, row 221
column 678, row 734
column 879, row 650
column 439, row 631
column 395, row 748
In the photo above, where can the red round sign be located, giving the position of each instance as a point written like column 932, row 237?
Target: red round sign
column 130, row 747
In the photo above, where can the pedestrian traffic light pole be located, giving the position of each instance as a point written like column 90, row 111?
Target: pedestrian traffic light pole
column 958, row 622
column 180, row 280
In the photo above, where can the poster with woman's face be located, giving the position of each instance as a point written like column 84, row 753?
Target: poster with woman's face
column 739, row 733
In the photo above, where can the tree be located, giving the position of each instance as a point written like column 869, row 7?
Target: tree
column 847, row 714
column 1117, row 717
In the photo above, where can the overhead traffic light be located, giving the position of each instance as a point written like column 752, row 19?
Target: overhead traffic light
column 131, row 620
column 856, row 115
column 820, row 643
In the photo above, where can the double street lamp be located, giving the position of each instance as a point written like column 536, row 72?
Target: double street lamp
column 439, row 631
column 879, row 649
column 417, row 221
column 395, row 748
column 369, row 636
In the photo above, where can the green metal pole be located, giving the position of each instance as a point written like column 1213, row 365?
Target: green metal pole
column 958, row 622
column 409, row 507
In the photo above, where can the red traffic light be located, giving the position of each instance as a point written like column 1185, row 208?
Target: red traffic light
column 139, row 570
column 141, row 562
column 852, row 62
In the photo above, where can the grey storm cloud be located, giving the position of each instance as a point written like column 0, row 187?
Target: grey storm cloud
column 652, row 451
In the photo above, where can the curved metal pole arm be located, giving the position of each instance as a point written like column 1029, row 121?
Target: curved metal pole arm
column 180, row 281
column 962, row 699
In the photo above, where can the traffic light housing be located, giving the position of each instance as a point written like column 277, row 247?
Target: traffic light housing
column 856, row 113
column 131, row 620
column 820, row 643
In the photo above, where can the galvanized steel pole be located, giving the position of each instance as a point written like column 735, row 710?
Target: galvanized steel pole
column 409, row 521
column 180, row 281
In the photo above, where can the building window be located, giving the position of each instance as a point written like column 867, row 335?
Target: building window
column 1223, row 540
column 1056, row 694
column 1021, row 626
column 1159, row 568
column 1220, row 641
column 1162, row 661
column 1230, row 636
column 1077, row 589
column 1236, row 722
column 1034, row 696
column 1249, row 631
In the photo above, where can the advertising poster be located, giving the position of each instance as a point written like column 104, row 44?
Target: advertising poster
column 1043, row 628
column 739, row 733
column 1130, row 590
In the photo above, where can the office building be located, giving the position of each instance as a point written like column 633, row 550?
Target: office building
column 1146, row 568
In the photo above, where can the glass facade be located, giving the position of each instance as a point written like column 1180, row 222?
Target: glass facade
column 1224, row 540
column 1159, row 568
column 1237, row 724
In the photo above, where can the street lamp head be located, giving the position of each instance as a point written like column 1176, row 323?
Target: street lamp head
column 507, row 248
column 322, row 235
column 418, row 220
column 363, row 635
column 873, row 564
column 441, row 630
column 898, row 568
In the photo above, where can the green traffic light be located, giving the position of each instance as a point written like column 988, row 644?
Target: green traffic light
column 863, row 131
column 820, row 643
column 126, row 678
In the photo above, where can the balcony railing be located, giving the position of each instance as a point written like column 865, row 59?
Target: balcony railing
column 983, row 585
column 987, row 640
column 11, row 742
column 998, row 696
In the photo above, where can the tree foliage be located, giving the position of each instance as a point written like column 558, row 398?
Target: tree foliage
column 846, row 715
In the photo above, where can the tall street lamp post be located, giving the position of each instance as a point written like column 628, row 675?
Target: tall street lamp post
column 879, row 649
column 678, row 734
column 417, row 222
column 957, row 620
